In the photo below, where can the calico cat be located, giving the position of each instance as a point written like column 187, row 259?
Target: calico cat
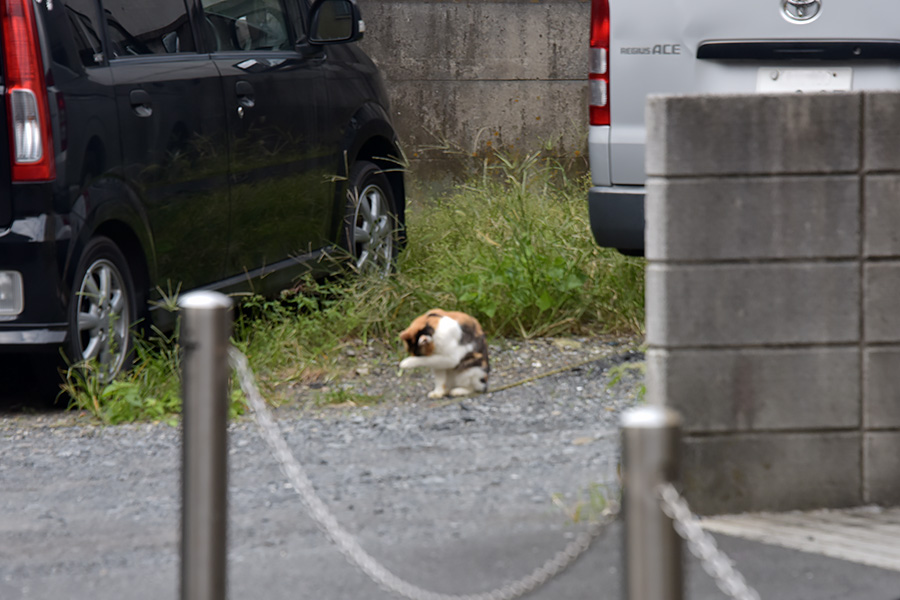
column 452, row 344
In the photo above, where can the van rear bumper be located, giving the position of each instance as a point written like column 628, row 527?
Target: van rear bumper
column 31, row 247
column 617, row 217
column 33, row 336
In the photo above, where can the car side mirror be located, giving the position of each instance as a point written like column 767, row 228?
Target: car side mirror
column 335, row 22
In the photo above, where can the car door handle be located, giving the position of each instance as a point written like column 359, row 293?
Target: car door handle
column 141, row 103
column 245, row 94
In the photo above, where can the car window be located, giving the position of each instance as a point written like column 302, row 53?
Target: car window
column 83, row 20
column 247, row 25
column 158, row 27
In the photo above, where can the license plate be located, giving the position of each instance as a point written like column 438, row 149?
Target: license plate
column 791, row 80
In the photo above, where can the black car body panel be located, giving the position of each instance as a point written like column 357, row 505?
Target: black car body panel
column 209, row 141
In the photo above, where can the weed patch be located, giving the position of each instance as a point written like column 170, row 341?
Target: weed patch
column 342, row 397
column 150, row 391
column 590, row 504
column 512, row 247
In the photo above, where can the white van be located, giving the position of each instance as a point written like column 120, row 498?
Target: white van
column 641, row 47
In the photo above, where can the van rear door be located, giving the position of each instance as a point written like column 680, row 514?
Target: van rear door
column 757, row 46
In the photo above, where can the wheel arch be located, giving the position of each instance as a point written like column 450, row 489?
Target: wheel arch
column 370, row 136
column 111, row 211
column 127, row 241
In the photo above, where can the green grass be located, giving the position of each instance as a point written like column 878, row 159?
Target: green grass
column 151, row 391
column 622, row 372
column 339, row 396
column 514, row 249
column 591, row 504
column 512, row 246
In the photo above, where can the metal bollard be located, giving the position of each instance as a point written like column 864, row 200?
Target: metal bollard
column 205, row 332
column 653, row 549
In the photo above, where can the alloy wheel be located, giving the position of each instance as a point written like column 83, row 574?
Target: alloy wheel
column 373, row 234
column 103, row 317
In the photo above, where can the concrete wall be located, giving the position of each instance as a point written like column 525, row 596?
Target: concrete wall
column 465, row 76
column 773, row 295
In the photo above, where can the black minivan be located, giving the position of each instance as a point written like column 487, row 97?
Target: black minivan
column 159, row 145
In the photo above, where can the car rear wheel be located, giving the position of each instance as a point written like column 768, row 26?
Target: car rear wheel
column 371, row 220
column 102, row 309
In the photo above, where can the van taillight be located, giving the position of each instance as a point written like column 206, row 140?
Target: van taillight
column 598, row 78
column 27, row 106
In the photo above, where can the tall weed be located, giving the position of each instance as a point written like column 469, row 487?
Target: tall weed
column 515, row 249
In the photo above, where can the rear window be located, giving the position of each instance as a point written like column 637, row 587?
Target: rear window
column 158, row 27
column 84, row 21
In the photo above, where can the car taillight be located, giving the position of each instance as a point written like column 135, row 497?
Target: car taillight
column 598, row 78
column 28, row 111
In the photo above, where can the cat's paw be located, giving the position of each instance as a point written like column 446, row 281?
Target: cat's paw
column 407, row 363
column 460, row 391
column 437, row 394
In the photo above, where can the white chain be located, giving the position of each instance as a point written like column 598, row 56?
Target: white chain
column 703, row 545
column 350, row 547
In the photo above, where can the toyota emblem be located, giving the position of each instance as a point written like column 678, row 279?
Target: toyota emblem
column 800, row 11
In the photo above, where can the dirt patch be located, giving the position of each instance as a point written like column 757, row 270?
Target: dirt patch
column 374, row 378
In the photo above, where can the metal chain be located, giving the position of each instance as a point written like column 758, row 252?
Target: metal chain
column 350, row 547
column 703, row 545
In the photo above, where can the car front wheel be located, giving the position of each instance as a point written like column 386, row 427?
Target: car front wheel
column 370, row 225
column 102, row 309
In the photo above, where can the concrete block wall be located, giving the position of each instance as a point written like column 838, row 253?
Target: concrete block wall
column 477, row 74
column 773, row 295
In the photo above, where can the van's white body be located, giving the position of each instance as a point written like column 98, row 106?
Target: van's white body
column 723, row 46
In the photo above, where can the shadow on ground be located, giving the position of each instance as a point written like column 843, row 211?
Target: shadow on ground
column 29, row 384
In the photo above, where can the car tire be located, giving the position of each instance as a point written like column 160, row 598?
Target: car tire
column 102, row 309
column 370, row 224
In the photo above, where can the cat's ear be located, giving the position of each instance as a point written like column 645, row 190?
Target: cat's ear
column 424, row 339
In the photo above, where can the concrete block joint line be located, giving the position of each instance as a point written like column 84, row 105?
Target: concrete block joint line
column 348, row 544
column 773, row 255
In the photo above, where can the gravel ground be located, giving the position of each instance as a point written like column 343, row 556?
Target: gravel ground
column 88, row 511
column 456, row 496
